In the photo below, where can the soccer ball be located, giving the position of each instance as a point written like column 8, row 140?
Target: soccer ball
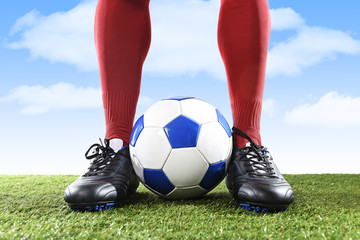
column 180, row 147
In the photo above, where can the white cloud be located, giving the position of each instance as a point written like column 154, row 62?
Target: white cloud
column 183, row 39
column 145, row 101
column 40, row 99
column 285, row 19
column 270, row 107
column 332, row 110
column 28, row 20
column 65, row 37
column 310, row 46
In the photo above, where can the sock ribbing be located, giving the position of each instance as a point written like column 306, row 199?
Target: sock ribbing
column 120, row 111
column 247, row 115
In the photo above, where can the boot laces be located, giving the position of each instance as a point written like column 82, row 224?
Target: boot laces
column 257, row 158
column 100, row 157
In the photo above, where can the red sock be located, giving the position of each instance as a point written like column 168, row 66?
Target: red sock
column 243, row 38
column 122, row 39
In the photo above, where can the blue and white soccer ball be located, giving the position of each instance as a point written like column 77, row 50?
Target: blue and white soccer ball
column 180, row 148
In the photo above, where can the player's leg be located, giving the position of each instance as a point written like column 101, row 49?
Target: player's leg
column 243, row 37
column 122, row 39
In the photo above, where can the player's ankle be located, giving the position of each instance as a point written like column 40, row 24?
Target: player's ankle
column 241, row 142
column 116, row 144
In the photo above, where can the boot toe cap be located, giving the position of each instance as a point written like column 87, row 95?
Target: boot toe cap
column 263, row 194
column 91, row 192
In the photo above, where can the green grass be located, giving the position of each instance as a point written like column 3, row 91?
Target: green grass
column 325, row 207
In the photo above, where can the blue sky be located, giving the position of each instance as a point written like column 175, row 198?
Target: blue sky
column 50, row 90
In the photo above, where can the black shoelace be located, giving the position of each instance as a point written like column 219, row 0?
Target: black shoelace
column 100, row 157
column 257, row 158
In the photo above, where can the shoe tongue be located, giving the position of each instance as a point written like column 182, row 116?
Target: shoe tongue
column 256, row 147
column 116, row 144
column 258, row 165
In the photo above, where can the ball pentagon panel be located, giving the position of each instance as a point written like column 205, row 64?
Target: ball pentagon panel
column 158, row 181
column 182, row 132
column 213, row 176
column 136, row 131
column 223, row 122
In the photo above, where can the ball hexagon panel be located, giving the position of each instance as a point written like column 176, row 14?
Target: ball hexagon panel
column 157, row 181
column 182, row 132
column 161, row 113
column 138, row 168
column 213, row 142
column 186, row 193
column 152, row 148
column 185, row 167
column 198, row 110
column 213, row 176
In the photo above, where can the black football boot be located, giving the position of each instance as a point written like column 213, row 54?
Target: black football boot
column 254, row 180
column 109, row 179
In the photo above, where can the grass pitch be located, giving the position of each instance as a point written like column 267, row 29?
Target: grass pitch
column 326, row 207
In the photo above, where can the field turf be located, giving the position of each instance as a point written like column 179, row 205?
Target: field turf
column 326, row 206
